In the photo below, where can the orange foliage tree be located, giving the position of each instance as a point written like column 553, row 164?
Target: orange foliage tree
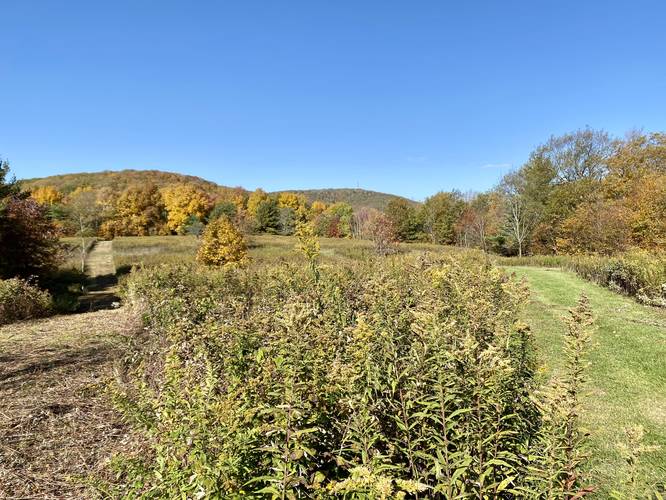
column 599, row 226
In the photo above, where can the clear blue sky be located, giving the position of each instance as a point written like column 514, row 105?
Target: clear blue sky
column 408, row 97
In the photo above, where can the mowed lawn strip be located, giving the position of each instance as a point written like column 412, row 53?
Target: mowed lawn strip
column 627, row 377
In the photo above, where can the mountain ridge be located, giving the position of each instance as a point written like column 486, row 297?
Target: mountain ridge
column 121, row 179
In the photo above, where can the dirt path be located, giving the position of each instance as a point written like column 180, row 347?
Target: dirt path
column 56, row 425
column 102, row 280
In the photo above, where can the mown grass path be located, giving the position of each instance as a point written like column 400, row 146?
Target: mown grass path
column 102, row 280
column 99, row 261
column 627, row 378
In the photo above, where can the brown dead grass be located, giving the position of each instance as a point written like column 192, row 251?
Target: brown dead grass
column 56, row 425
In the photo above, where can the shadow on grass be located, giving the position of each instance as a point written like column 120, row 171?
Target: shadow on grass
column 20, row 368
column 99, row 293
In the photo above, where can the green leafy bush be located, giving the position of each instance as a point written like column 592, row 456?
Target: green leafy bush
column 19, row 299
column 405, row 377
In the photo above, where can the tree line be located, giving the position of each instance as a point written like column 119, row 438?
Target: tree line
column 184, row 208
column 582, row 192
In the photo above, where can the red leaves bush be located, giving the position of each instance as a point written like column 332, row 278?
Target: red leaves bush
column 29, row 242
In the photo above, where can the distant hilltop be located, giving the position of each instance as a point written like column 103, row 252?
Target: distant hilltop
column 121, row 179
column 355, row 197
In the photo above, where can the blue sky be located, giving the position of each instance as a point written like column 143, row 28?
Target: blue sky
column 408, row 97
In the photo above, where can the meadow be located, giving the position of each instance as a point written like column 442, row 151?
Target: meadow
column 627, row 382
column 435, row 371
column 151, row 250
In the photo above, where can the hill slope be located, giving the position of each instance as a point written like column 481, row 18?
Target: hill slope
column 117, row 180
column 355, row 197
column 120, row 180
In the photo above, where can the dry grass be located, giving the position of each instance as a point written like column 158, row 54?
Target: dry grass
column 264, row 248
column 56, row 425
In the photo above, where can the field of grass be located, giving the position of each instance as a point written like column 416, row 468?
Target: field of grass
column 627, row 376
column 151, row 250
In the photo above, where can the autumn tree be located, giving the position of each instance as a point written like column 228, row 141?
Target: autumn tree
column 598, row 226
column 296, row 202
column 636, row 156
column 29, row 241
column 222, row 245
column 52, row 199
column 317, row 208
column 239, row 198
column 46, row 195
column 138, row 211
column 254, row 200
column 335, row 221
column 646, row 203
column 183, row 200
column 382, row 233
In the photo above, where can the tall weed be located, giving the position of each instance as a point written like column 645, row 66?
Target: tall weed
column 403, row 377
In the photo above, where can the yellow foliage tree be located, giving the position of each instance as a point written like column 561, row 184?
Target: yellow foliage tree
column 637, row 156
column 138, row 211
column 598, row 226
column 318, row 208
column 256, row 198
column 222, row 245
column 47, row 195
column 183, row 201
column 298, row 203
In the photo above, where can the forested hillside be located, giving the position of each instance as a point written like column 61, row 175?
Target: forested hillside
column 117, row 180
column 357, row 198
column 122, row 179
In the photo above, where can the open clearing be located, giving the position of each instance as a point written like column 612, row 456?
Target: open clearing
column 627, row 376
column 57, row 427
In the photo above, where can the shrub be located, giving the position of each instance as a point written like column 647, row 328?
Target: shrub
column 382, row 379
column 222, row 245
column 19, row 299
column 29, row 243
